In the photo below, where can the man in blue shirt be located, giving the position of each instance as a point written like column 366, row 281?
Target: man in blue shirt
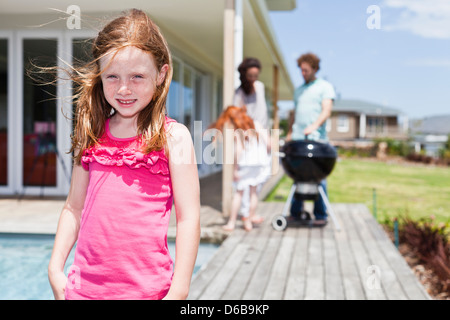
column 313, row 103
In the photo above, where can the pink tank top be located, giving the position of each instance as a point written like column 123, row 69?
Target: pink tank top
column 122, row 251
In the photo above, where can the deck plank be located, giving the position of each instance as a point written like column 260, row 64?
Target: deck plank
column 257, row 241
column 362, row 259
column 210, row 270
column 277, row 280
column 219, row 284
column 308, row 263
column 353, row 289
column 380, row 276
column 258, row 281
column 315, row 281
column 411, row 287
column 295, row 282
column 334, row 289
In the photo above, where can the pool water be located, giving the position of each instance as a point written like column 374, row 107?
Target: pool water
column 24, row 261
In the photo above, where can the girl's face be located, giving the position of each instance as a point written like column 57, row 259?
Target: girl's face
column 129, row 80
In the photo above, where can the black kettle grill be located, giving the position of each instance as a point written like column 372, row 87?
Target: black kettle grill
column 307, row 162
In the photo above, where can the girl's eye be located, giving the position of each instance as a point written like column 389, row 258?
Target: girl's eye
column 138, row 76
column 111, row 76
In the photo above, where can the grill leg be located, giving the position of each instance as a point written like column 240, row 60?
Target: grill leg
column 328, row 205
column 287, row 205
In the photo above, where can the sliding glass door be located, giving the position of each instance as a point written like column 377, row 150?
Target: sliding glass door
column 39, row 113
column 3, row 112
column 185, row 101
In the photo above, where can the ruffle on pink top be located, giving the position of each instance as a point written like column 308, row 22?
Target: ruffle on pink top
column 125, row 152
column 155, row 161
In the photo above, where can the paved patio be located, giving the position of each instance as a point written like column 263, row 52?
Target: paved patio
column 40, row 215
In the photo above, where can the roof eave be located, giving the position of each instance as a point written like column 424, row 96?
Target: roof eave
column 261, row 10
column 281, row 5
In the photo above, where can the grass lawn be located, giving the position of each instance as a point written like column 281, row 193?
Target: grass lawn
column 419, row 191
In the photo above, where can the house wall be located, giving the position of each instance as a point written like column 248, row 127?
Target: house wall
column 390, row 128
column 195, row 40
column 337, row 128
column 376, row 127
column 203, row 94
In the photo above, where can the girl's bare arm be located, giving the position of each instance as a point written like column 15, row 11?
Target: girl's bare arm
column 186, row 190
column 67, row 231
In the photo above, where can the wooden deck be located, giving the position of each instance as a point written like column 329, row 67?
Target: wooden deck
column 357, row 262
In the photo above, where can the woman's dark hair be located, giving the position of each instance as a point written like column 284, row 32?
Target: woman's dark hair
column 243, row 67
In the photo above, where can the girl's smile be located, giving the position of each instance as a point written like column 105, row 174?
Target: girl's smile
column 126, row 103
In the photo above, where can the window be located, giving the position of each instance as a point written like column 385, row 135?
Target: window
column 3, row 112
column 174, row 93
column 199, row 89
column 219, row 99
column 376, row 125
column 35, row 110
column 343, row 123
column 188, row 97
column 184, row 98
column 81, row 52
column 39, row 115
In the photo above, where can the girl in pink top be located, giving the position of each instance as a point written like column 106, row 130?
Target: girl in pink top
column 131, row 163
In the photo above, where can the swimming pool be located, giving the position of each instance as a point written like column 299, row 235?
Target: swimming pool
column 24, row 260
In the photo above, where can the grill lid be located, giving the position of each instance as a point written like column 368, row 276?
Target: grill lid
column 309, row 149
column 308, row 161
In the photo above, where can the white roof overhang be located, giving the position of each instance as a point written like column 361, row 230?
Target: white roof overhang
column 193, row 28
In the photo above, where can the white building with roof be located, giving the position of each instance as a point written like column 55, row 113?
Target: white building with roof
column 208, row 39
column 359, row 122
column 430, row 134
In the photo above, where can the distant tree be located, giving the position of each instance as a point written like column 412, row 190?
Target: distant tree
column 444, row 153
column 447, row 144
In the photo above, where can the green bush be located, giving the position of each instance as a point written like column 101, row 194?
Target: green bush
column 395, row 147
column 430, row 242
column 356, row 152
column 444, row 153
column 284, row 126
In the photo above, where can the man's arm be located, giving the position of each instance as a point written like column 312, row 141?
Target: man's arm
column 327, row 105
column 290, row 124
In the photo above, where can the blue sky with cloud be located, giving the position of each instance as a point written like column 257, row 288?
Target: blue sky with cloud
column 405, row 64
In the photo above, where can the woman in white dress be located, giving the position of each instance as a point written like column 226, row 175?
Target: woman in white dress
column 251, row 95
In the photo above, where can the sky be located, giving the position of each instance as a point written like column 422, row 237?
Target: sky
column 394, row 53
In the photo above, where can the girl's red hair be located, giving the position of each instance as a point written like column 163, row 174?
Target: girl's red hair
column 242, row 123
column 237, row 116
column 133, row 28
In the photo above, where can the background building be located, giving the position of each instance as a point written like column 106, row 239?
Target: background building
column 430, row 134
column 355, row 122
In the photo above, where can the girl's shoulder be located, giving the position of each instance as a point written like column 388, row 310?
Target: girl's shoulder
column 178, row 137
column 172, row 126
column 176, row 129
column 169, row 121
